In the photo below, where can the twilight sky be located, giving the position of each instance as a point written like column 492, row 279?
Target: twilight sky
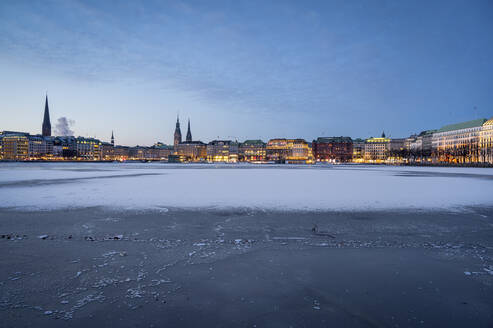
column 245, row 69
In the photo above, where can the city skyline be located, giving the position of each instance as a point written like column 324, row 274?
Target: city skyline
column 245, row 70
column 468, row 142
column 46, row 130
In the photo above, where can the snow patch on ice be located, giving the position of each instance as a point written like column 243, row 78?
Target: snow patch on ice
column 296, row 188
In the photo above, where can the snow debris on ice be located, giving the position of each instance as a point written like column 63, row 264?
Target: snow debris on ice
column 399, row 187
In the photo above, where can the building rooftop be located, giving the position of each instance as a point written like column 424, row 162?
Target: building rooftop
column 223, row 142
column 427, row 132
column 463, row 125
column 15, row 133
column 334, row 139
column 372, row 139
column 191, row 143
column 488, row 122
column 253, row 142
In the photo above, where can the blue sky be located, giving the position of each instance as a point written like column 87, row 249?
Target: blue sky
column 245, row 69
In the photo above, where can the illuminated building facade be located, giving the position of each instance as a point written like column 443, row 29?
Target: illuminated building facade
column 89, row 148
column 163, row 150
column 156, row 152
column 467, row 142
column 358, row 150
column 65, row 147
column 107, row 151
column 289, row 151
column 252, row 151
column 121, row 153
column 486, row 142
column 301, row 151
column 49, row 143
column 334, row 149
column 458, row 143
column 419, row 147
column 139, row 153
column 377, row 149
column 225, row 151
column 37, row 147
column 398, row 151
column 277, row 150
column 15, row 147
column 192, row 151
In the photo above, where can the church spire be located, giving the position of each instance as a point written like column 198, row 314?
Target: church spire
column 177, row 136
column 189, row 133
column 383, row 134
column 112, row 139
column 46, row 128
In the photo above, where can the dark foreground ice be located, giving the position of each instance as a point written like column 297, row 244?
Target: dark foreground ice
column 246, row 268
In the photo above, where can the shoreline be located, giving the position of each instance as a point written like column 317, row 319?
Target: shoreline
column 444, row 165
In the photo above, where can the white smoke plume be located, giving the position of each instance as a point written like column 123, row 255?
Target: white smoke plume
column 62, row 127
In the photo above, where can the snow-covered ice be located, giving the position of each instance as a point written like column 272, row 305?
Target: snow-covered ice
column 159, row 186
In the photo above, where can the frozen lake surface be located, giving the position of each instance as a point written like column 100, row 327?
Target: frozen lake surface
column 345, row 187
column 159, row 245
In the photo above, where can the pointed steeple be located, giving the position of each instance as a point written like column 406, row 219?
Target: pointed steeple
column 177, row 136
column 46, row 128
column 189, row 133
column 383, row 134
column 112, row 139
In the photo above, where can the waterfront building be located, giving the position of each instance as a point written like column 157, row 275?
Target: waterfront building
column 177, row 135
column 173, row 158
column 88, row 148
column 333, row 149
column 294, row 151
column 151, row 154
column 252, row 151
column 49, row 144
column 163, row 150
column 358, row 150
column 377, row 149
column 46, row 127
column 136, row 153
column 486, row 142
column 458, row 143
column 156, row 152
column 398, row 151
column 427, row 137
column 121, row 153
column 15, row 147
column 65, row 147
column 37, row 147
column 222, row 151
column 301, row 152
column 192, row 151
column 107, row 151
column 277, row 150
column 189, row 150
column 420, row 146
column 413, row 146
